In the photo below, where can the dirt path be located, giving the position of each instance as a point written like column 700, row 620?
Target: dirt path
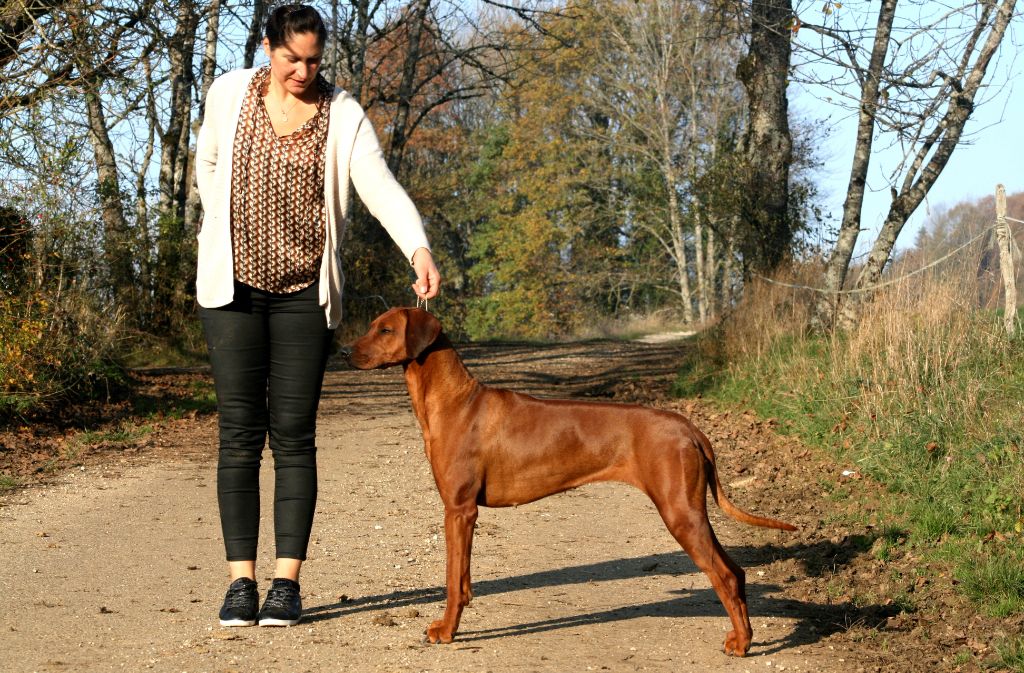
column 117, row 565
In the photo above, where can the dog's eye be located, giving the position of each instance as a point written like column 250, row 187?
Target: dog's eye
column 386, row 330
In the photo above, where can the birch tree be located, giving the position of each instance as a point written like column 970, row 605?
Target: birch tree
column 668, row 87
column 914, row 75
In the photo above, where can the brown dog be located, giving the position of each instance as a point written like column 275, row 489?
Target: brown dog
column 493, row 447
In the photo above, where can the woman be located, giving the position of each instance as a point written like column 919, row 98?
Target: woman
column 274, row 158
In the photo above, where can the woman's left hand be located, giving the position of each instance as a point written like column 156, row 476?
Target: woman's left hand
column 428, row 279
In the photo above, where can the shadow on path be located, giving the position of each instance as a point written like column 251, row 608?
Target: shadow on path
column 814, row 621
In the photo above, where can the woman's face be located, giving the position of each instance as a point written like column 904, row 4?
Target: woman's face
column 295, row 63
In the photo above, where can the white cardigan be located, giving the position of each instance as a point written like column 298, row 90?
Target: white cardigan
column 353, row 153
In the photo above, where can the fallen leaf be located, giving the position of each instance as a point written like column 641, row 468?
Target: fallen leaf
column 742, row 483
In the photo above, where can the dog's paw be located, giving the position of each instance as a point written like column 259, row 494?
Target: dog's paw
column 438, row 632
column 736, row 645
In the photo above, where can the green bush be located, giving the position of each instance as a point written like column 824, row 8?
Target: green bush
column 54, row 351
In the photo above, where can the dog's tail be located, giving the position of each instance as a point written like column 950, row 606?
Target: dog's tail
column 718, row 493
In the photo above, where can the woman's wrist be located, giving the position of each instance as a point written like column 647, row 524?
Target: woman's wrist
column 412, row 260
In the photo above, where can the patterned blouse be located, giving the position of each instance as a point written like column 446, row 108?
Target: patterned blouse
column 278, row 213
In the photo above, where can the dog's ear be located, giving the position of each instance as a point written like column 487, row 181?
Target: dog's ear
column 421, row 329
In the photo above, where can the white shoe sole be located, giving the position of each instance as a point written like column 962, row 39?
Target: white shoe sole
column 279, row 622
column 238, row 622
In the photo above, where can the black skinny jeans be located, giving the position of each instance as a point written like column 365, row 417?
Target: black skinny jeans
column 268, row 353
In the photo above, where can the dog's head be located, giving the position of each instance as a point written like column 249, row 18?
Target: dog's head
column 394, row 338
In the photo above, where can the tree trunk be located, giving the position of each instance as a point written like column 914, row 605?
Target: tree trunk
column 173, row 161
column 362, row 10
column 728, row 273
column 839, row 262
column 255, row 36
column 175, row 173
column 698, row 222
column 702, row 281
column 144, row 243
column 116, row 241
column 406, row 89
column 209, row 58
column 679, row 248
column 767, row 145
column 711, row 275
column 193, row 206
column 332, row 73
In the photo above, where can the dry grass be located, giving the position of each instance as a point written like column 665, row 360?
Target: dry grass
column 913, row 344
column 771, row 314
column 907, row 354
column 635, row 325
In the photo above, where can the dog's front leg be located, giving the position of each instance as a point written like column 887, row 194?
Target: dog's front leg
column 458, row 536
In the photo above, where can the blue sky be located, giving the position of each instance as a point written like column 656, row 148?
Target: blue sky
column 992, row 152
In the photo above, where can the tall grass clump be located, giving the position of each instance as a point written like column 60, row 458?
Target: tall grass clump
column 1011, row 653
column 924, row 394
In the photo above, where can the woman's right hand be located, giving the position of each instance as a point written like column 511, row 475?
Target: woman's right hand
column 428, row 278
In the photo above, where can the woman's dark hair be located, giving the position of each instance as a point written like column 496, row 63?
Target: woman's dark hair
column 289, row 20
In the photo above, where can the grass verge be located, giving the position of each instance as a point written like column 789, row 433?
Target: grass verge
column 925, row 395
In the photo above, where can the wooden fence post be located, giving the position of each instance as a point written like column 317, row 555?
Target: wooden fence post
column 1006, row 261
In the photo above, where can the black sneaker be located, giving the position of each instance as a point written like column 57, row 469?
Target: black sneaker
column 283, row 606
column 240, row 604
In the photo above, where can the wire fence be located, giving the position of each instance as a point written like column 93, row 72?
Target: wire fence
column 891, row 281
column 1009, row 259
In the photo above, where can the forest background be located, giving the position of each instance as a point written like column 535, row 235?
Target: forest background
column 585, row 169
column 577, row 165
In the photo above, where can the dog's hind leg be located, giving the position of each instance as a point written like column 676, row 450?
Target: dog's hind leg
column 687, row 519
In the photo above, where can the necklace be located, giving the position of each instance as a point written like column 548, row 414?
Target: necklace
column 284, row 113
